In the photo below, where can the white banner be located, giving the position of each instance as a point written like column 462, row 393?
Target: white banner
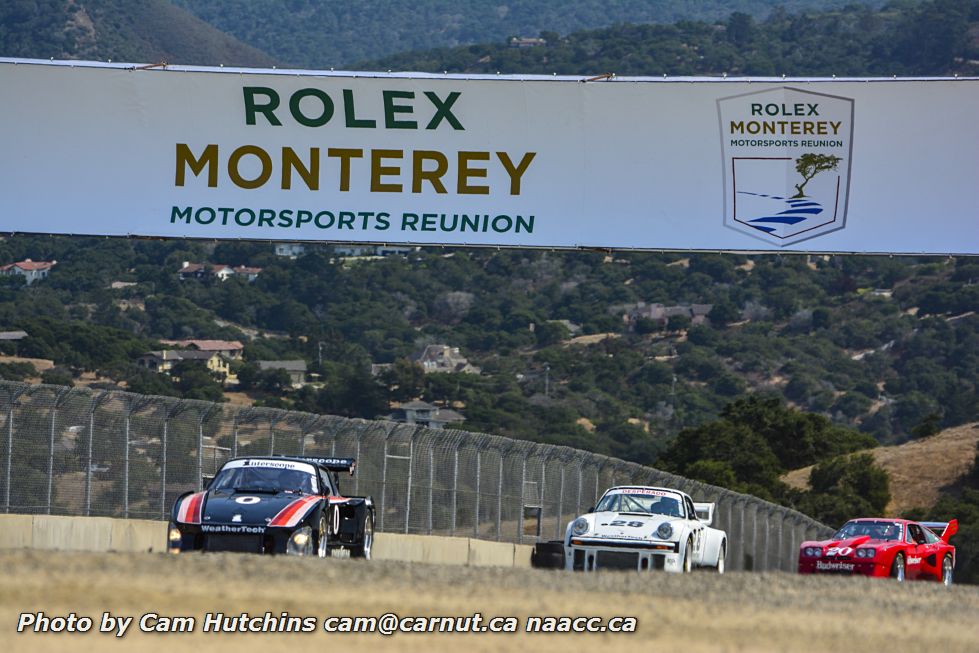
column 871, row 165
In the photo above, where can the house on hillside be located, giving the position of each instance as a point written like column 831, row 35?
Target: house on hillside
column 290, row 250
column 526, row 42
column 12, row 337
column 354, row 250
column 31, row 270
column 443, row 358
column 231, row 349
column 295, row 368
column 163, row 362
column 660, row 313
column 218, row 270
column 424, row 414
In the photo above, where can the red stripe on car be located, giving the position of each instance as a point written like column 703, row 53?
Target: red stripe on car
column 294, row 512
column 190, row 509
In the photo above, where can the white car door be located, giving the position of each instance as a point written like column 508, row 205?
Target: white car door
column 697, row 530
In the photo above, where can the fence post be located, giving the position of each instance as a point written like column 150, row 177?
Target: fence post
column 431, row 484
column 14, row 396
column 58, row 401
column 125, row 470
column 499, row 497
column 333, row 449
column 455, row 487
column 88, row 457
column 10, row 453
column 384, row 480
column 54, row 416
column 411, row 460
column 560, row 505
column 234, row 435
column 200, row 444
column 479, row 456
column 523, row 482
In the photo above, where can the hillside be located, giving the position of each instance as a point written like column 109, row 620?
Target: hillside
column 320, row 34
column 940, row 37
column 121, row 30
column 919, row 469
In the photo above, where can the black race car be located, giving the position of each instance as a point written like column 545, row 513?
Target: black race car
column 271, row 504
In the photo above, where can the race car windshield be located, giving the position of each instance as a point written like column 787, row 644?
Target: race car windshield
column 877, row 530
column 264, row 479
column 652, row 504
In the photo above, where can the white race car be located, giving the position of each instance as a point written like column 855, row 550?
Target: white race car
column 645, row 528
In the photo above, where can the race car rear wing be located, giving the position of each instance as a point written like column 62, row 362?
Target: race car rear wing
column 332, row 464
column 944, row 530
column 705, row 512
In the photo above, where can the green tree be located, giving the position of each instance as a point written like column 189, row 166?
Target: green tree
column 844, row 487
column 810, row 165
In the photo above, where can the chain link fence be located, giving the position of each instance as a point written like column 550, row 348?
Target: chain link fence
column 74, row 451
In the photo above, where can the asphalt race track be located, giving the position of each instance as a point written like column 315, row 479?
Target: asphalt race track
column 700, row 612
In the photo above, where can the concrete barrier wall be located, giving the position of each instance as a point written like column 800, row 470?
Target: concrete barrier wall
column 60, row 533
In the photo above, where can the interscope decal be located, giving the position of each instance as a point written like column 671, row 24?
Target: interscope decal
column 693, row 163
column 786, row 156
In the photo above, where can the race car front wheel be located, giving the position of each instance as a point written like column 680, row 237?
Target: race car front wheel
column 947, row 571
column 897, row 568
column 322, row 550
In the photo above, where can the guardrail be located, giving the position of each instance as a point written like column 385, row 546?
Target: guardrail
column 74, row 451
column 100, row 534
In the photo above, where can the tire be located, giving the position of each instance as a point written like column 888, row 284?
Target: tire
column 548, row 555
column 947, row 571
column 688, row 558
column 363, row 550
column 721, row 558
column 322, row 538
column 898, row 570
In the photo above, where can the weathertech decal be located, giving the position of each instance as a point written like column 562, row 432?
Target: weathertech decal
column 225, row 528
column 190, row 509
column 294, row 512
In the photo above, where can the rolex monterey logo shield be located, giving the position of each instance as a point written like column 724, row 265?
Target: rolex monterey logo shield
column 786, row 160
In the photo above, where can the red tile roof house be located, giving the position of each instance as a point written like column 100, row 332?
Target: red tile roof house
column 30, row 270
column 230, row 348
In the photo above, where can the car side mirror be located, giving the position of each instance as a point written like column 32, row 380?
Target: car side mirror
column 206, row 480
column 591, row 509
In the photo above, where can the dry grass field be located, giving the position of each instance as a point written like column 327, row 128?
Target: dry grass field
column 699, row 612
column 919, row 469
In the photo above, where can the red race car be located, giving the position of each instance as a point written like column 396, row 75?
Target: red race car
column 899, row 548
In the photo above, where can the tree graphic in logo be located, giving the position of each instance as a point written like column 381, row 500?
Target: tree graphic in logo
column 810, row 165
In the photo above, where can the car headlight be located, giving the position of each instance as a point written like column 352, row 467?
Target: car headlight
column 301, row 542
column 173, row 538
column 866, row 553
column 812, row 552
column 580, row 526
column 665, row 531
